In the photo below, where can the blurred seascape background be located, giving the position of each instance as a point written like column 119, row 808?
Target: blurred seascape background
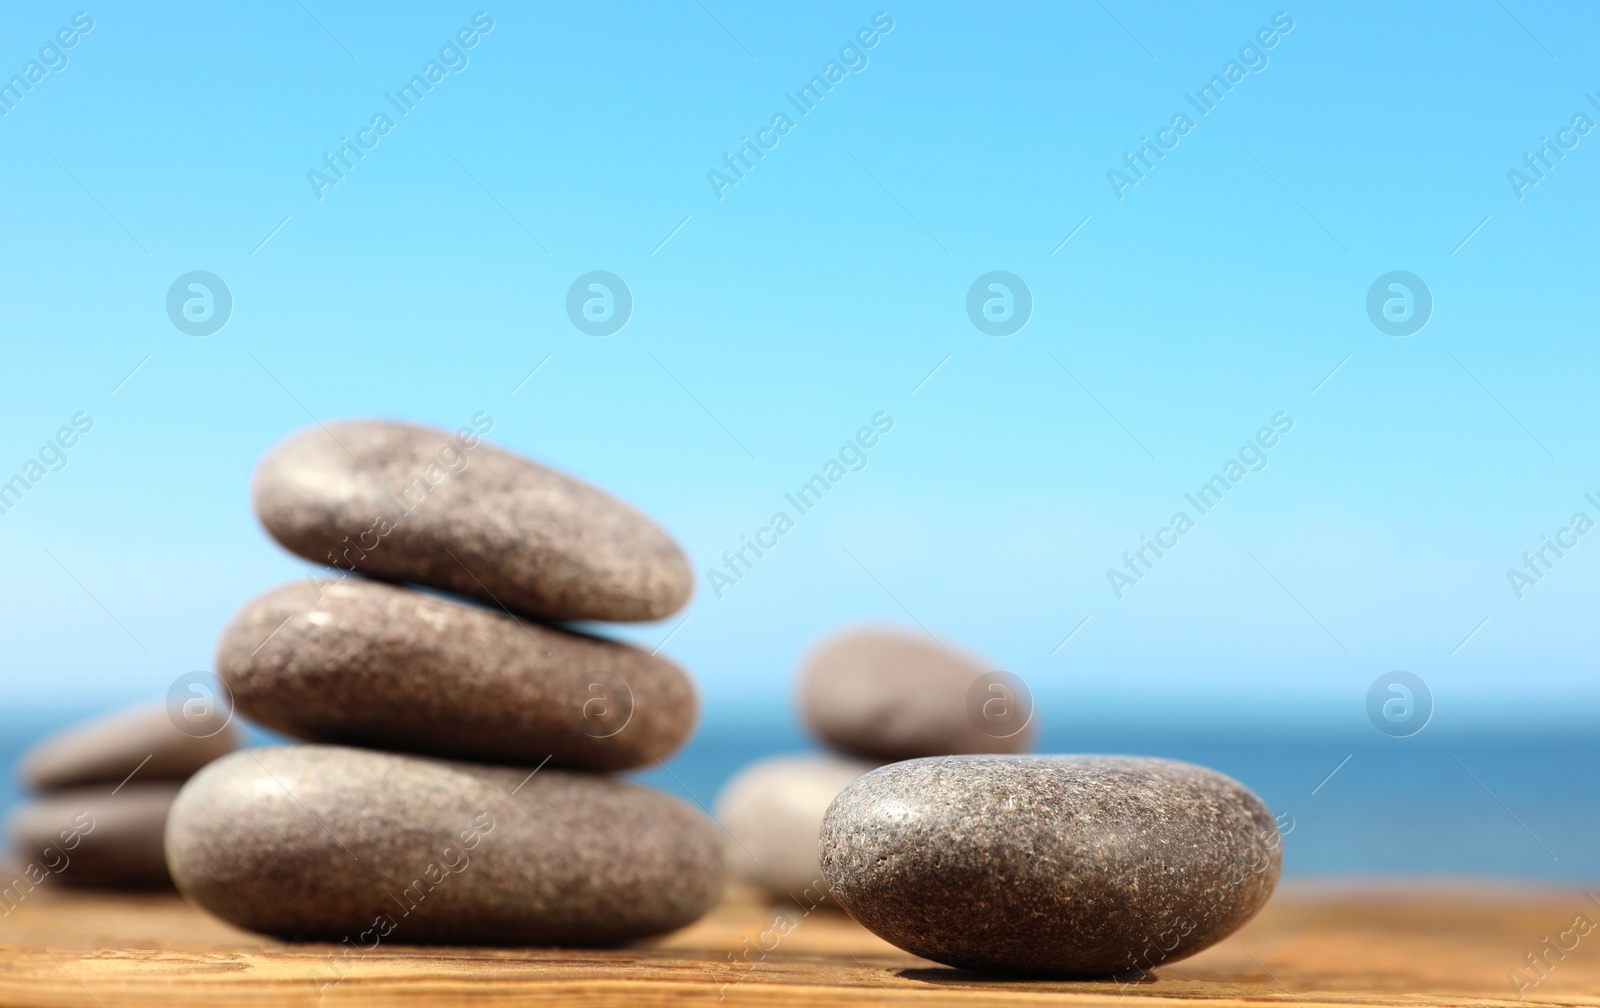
column 1169, row 319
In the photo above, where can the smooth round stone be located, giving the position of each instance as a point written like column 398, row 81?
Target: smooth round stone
column 372, row 664
column 773, row 812
column 90, row 836
column 336, row 844
column 419, row 504
column 888, row 695
column 110, row 748
column 1074, row 866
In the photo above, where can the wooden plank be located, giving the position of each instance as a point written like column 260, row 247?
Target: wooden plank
column 1440, row 945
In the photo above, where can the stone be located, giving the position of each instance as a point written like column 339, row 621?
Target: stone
column 93, row 837
column 1069, row 866
column 773, row 813
column 108, row 749
column 359, row 847
column 887, row 695
column 409, row 503
column 371, row 664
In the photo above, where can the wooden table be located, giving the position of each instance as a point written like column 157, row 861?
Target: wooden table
column 1435, row 944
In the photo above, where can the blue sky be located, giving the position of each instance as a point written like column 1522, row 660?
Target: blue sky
column 771, row 323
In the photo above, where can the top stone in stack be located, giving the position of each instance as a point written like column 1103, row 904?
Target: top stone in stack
column 885, row 694
column 410, row 503
column 361, row 662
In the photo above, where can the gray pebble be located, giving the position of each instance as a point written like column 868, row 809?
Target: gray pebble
column 144, row 738
column 372, row 664
column 367, row 848
column 90, row 836
column 889, row 695
column 773, row 812
column 1073, row 866
column 410, row 503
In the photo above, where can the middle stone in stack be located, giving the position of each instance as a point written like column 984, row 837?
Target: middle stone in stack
column 327, row 842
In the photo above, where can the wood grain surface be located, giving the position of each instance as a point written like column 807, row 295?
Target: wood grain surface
column 1435, row 944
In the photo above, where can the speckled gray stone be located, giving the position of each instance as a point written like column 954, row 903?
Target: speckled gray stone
column 1073, row 866
column 109, row 748
column 411, row 503
column 372, row 664
column 90, row 836
column 890, row 695
column 773, row 812
column 324, row 842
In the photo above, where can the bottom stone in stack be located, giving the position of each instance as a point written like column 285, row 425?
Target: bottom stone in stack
column 334, row 843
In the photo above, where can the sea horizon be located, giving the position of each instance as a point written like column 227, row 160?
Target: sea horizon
column 1439, row 805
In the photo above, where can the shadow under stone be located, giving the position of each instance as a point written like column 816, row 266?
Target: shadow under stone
column 949, row 976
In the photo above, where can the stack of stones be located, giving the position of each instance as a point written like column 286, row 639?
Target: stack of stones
column 104, row 789
column 454, row 787
column 872, row 696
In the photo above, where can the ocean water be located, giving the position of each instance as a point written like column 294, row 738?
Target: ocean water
column 1515, row 807
column 1511, row 807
